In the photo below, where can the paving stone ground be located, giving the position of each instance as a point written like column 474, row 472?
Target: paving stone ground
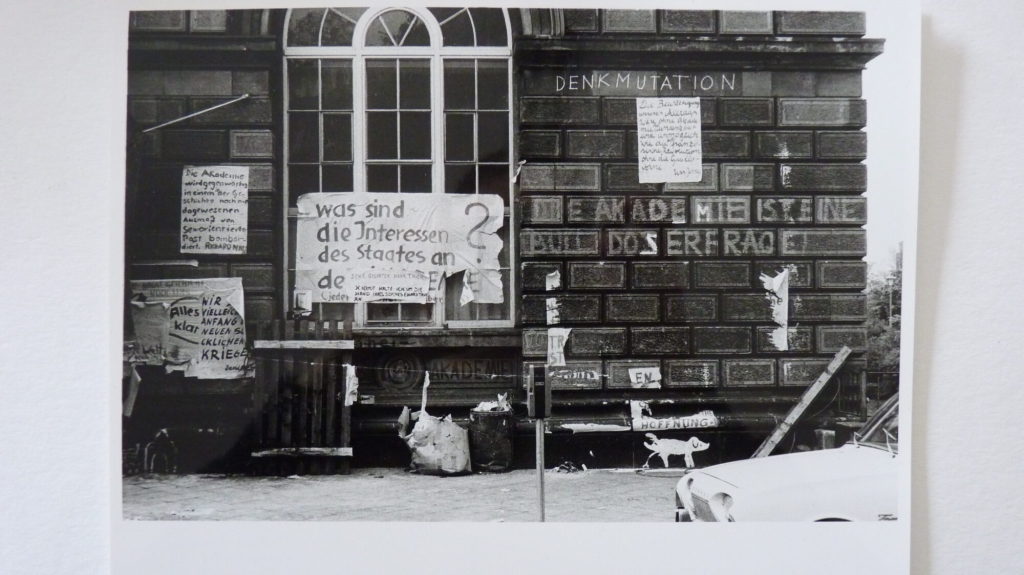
column 386, row 494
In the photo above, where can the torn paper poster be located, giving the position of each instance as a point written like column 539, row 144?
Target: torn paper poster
column 199, row 324
column 481, row 286
column 553, row 281
column 351, row 385
column 519, row 168
column 644, row 420
column 355, row 246
column 778, row 297
column 557, row 338
column 645, row 377
column 668, row 140
column 664, row 448
column 214, row 209
column 551, row 309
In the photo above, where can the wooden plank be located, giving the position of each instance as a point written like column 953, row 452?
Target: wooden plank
column 304, row 452
column 304, row 344
column 346, row 416
column 259, row 395
column 330, row 402
column 794, row 414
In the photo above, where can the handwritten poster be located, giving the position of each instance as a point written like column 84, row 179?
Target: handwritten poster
column 668, row 138
column 360, row 246
column 194, row 325
column 214, row 209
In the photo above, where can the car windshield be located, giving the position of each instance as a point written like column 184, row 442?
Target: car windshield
column 882, row 429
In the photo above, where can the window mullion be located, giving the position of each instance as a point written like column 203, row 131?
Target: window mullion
column 359, row 123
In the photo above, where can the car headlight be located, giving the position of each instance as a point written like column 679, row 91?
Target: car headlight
column 720, row 505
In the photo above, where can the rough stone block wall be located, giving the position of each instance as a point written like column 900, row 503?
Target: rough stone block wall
column 670, row 272
column 239, row 134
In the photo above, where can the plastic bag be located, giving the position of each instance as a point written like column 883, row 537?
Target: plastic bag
column 439, row 446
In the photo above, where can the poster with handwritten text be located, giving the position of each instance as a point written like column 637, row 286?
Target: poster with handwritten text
column 214, row 209
column 668, row 138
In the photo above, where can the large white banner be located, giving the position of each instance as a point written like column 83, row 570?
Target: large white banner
column 360, row 246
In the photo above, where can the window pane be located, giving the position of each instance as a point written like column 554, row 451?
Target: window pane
column 415, row 130
column 304, row 26
column 458, row 85
column 415, row 84
column 380, row 84
column 398, row 22
column 337, row 79
column 416, row 311
column 303, row 137
column 302, row 85
column 382, row 135
column 338, row 31
column 376, row 35
column 418, row 35
column 494, row 311
column 337, row 137
column 303, row 180
column 458, row 137
column 493, row 84
column 382, row 311
column 458, row 31
column 416, row 179
column 490, row 26
column 382, row 178
column 460, row 178
column 443, row 14
column 494, row 180
column 337, row 177
column 492, row 140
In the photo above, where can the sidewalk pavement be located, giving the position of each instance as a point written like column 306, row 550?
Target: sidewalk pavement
column 388, row 494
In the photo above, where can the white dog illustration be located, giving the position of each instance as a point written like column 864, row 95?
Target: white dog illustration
column 665, row 447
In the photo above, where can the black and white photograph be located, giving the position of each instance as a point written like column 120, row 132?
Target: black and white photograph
column 594, row 287
column 498, row 264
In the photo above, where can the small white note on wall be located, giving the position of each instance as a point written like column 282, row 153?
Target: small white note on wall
column 668, row 138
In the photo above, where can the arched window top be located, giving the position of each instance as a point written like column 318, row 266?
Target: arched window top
column 336, row 28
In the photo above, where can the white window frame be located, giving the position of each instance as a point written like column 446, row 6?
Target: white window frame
column 357, row 54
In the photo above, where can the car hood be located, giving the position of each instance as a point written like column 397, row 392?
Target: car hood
column 765, row 473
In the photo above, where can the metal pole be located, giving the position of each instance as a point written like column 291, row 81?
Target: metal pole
column 539, row 423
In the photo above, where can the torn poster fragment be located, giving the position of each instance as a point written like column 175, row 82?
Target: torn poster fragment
column 553, row 281
column 351, row 385
column 664, row 448
column 214, row 209
column 557, row 338
column 361, row 246
column 778, row 298
column 668, row 140
column 644, row 420
column 192, row 325
column 645, row 377
column 483, row 286
column 551, row 309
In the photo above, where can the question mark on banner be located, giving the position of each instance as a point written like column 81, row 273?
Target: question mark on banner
column 469, row 235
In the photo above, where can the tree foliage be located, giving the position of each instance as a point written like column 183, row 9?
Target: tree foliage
column 884, row 297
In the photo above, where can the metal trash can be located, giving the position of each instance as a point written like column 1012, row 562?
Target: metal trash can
column 490, row 440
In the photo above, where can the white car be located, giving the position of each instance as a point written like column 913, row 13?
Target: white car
column 855, row 482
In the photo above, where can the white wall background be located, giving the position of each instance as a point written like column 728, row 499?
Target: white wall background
column 62, row 116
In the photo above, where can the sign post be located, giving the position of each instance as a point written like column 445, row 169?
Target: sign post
column 538, row 402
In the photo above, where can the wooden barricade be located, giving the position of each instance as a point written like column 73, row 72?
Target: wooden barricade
column 301, row 424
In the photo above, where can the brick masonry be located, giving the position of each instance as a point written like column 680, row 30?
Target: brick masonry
column 677, row 265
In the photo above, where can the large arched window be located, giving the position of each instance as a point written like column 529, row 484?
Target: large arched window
column 401, row 100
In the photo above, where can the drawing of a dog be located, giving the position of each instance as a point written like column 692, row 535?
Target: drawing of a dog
column 666, row 447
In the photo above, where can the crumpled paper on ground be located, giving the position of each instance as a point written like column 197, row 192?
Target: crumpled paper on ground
column 438, row 446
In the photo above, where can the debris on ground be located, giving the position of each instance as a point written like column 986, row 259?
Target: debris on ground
column 567, row 467
column 501, row 405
